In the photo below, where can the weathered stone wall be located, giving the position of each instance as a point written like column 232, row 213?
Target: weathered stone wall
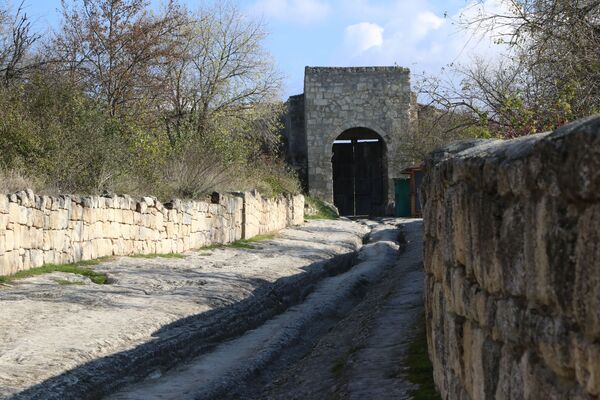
column 512, row 236
column 263, row 215
column 295, row 135
column 338, row 99
column 38, row 230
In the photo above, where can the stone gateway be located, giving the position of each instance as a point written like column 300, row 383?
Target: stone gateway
column 343, row 131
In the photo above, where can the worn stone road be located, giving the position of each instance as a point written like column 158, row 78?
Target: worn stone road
column 312, row 314
column 79, row 341
column 345, row 341
column 361, row 356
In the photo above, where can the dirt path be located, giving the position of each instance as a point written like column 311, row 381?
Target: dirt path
column 79, row 341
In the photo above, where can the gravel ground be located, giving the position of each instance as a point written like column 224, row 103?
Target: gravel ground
column 55, row 336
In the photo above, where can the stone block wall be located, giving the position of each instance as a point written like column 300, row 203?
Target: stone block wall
column 263, row 215
column 37, row 230
column 338, row 99
column 512, row 260
column 295, row 138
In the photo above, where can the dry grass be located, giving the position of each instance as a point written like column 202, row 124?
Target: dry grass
column 12, row 181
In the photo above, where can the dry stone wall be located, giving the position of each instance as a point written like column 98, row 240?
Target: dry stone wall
column 37, row 230
column 512, row 256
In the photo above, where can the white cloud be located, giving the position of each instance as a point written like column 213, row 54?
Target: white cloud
column 425, row 22
column 361, row 37
column 298, row 11
column 411, row 34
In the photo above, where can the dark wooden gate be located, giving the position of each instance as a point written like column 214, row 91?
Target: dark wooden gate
column 358, row 177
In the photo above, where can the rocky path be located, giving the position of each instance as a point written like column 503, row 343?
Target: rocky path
column 346, row 340
column 322, row 311
column 84, row 340
column 361, row 357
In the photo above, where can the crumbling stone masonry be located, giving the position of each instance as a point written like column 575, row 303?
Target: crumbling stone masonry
column 336, row 100
column 37, row 230
column 512, row 256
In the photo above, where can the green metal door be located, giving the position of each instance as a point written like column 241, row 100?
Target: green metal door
column 402, row 197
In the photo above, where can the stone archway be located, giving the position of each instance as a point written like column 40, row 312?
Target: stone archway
column 359, row 166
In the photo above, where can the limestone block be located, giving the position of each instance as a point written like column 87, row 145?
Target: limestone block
column 3, row 247
column 14, row 213
column 37, row 218
column 111, row 215
column 137, row 218
column 26, row 263
column 128, row 217
column 118, row 246
column 76, row 230
column 77, row 251
column 170, row 227
column 76, row 212
column 88, row 215
column 87, row 250
column 59, row 219
column 149, row 201
column 57, row 240
column 36, row 238
column 4, row 203
column 12, row 262
column 36, row 258
column 142, row 207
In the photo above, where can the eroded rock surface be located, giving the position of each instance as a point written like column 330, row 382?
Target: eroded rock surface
column 83, row 340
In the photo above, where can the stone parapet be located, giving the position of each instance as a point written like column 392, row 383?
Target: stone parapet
column 512, row 256
column 38, row 230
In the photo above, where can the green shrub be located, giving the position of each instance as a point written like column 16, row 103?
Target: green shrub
column 320, row 209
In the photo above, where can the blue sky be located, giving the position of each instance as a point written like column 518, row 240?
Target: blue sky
column 418, row 34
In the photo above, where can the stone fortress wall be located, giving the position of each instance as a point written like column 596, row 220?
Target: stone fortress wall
column 38, row 230
column 512, row 257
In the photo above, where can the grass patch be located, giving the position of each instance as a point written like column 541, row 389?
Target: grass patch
column 323, row 211
column 66, row 282
column 247, row 243
column 419, row 368
column 259, row 238
column 238, row 244
column 76, row 268
column 158, row 255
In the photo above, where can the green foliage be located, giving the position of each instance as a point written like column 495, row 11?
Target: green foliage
column 323, row 210
column 113, row 124
column 272, row 177
column 247, row 243
column 76, row 268
column 419, row 368
column 66, row 282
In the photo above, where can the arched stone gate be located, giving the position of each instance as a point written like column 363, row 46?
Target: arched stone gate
column 338, row 100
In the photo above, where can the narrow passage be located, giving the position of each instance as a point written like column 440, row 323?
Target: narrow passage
column 346, row 340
